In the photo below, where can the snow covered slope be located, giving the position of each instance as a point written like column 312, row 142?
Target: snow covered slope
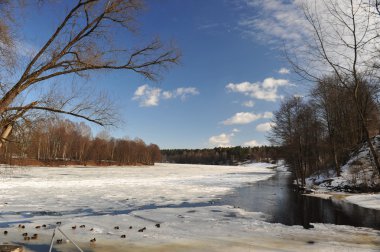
column 358, row 174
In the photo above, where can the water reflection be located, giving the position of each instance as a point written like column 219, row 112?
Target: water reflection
column 277, row 198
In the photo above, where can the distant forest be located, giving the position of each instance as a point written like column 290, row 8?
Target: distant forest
column 221, row 156
column 55, row 141
column 60, row 142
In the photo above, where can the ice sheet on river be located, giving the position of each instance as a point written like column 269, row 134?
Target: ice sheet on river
column 366, row 200
column 178, row 197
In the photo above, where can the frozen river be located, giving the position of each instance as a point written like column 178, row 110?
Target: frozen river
column 283, row 203
column 180, row 198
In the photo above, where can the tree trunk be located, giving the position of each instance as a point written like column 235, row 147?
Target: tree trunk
column 337, row 166
column 5, row 134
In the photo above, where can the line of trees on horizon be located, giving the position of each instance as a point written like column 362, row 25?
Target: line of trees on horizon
column 221, row 155
column 61, row 141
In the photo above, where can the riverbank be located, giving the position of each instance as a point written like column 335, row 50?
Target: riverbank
column 358, row 182
column 366, row 200
column 343, row 188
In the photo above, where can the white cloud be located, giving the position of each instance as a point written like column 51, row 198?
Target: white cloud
column 184, row 92
column 141, row 90
column 282, row 23
column 278, row 21
column 181, row 92
column 167, row 95
column 245, row 118
column 252, row 143
column 266, row 90
column 222, row 140
column 149, row 96
column 284, row 71
column 248, row 104
column 271, row 83
column 264, row 127
column 268, row 115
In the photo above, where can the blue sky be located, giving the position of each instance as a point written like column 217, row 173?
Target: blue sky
column 224, row 89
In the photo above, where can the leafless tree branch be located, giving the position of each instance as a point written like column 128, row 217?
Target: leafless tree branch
column 80, row 45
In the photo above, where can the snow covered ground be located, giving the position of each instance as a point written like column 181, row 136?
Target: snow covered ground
column 365, row 200
column 358, row 172
column 178, row 197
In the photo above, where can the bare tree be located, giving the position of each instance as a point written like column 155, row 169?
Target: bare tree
column 80, row 45
column 298, row 130
column 6, row 40
column 338, row 114
column 61, row 141
column 344, row 39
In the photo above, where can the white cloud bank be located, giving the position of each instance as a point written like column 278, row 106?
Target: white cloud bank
column 148, row 96
column 252, row 143
column 279, row 21
column 282, row 23
column 246, row 117
column 222, row 140
column 181, row 92
column 266, row 90
column 264, row 127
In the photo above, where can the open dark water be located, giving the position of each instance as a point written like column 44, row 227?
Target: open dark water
column 278, row 198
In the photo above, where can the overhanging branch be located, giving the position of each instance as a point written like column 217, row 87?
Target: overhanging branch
column 60, row 111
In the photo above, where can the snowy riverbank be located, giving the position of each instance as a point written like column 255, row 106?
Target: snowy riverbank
column 358, row 174
column 178, row 197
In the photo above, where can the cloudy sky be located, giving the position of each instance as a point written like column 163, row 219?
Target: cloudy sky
column 231, row 77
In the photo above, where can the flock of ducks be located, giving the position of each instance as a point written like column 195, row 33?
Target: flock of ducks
column 25, row 235
column 28, row 237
